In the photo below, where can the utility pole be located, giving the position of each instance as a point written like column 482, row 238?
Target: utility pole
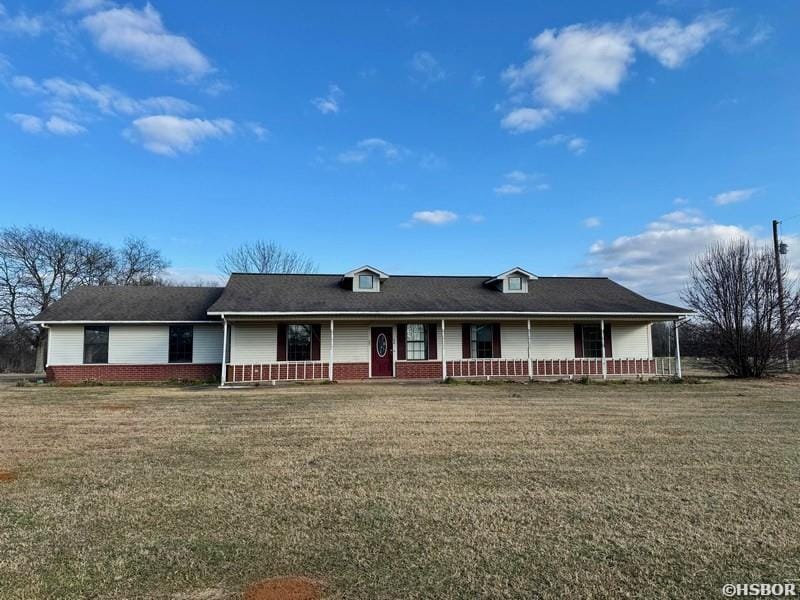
column 782, row 306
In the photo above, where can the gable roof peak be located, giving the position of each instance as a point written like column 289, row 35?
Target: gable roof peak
column 354, row 272
column 505, row 274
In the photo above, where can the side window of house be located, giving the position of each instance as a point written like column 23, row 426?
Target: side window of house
column 481, row 340
column 592, row 342
column 95, row 344
column 298, row 342
column 181, row 339
column 415, row 342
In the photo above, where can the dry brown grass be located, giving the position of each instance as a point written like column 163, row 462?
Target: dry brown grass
column 400, row 491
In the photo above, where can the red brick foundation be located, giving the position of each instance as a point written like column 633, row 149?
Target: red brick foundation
column 134, row 373
column 419, row 369
column 344, row 371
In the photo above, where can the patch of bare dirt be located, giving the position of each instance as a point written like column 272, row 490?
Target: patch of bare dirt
column 284, row 588
column 115, row 407
column 7, row 475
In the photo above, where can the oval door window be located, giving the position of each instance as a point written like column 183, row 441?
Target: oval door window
column 382, row 344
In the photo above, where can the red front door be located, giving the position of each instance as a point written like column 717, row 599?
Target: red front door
column 382, row 352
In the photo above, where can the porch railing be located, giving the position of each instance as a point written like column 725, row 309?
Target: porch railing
column 278, row 371
column 563, row 367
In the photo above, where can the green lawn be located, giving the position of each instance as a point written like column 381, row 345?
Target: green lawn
column 400, row 491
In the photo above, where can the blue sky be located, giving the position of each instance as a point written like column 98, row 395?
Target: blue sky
column 568, row 138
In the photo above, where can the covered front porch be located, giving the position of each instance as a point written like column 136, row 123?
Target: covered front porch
column 411, row 347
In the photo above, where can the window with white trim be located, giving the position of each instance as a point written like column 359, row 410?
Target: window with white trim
column 515, row 284
column 481, row 340
column 366, row 282
column 95, row 344
column 298, row 342
column 416, row 348
column 592, row 341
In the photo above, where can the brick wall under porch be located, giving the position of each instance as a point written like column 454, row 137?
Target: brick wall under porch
column 133, row 373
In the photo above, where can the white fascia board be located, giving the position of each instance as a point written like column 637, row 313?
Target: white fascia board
column 105, row 322
column 344, row 315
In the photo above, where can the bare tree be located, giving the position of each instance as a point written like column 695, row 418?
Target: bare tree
column 38, row 266
column 265, row 257
column 733, row 288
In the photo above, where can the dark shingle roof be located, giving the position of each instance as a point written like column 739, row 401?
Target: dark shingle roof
column 133, row 303
column 325, row 293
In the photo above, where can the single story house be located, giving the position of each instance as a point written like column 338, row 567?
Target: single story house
column 363, row 324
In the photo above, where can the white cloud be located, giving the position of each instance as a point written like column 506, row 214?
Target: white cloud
column 592, row 222
column 518, row 182
column 573, row 67
column 656, row 261
column 58, row 126
column 433, row 217
column 21, row 23
column 733, row 196
column 170, row 135
column 521, row 120
column 257, row 129
column 679, row 201
column 476, row 218
column 85, row 6
column 573, row 143
column 678, row 217
column 517, row 176
column 508, row 189
column 28, row 123
column 425, row 68
column 373, row 146
column 55, row 125
column 63, row 95
column 330, row 103
column 139, row 37
column 672, row 43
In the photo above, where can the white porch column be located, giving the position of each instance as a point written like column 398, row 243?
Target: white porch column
column 444, row 359
column 678, row 371
column 330, row 358
column 530, row 362
column 224, row 351
column 603, row 346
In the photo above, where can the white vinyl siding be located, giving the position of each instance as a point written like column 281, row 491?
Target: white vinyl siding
column 134, row 344
column 514, row 339
column 207, row 344
column 552, row 340
column 452, row 340
column 253, row 344
column 630, row 340
column 138, row 344
column 350, row 342
column 66, row 345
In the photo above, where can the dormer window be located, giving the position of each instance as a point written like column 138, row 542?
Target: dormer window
column 364, row 279
column 515, row 281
